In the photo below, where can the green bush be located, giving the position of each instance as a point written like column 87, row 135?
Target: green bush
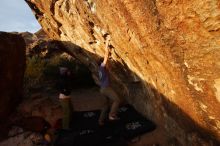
column 34, row 71
column 42, row 73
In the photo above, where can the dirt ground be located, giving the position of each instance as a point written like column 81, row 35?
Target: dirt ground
column 45, row 104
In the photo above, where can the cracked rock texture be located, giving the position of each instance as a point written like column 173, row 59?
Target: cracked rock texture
column 164, row 58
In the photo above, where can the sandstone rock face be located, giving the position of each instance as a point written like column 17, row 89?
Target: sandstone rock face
column 165, row 56
column 40, row 44
column 33, row 39
column 12, row 61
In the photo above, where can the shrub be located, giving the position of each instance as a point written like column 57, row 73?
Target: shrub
column 42, row 73
column 34, row 71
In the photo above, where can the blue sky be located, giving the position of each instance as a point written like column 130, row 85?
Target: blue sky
column 15, row 15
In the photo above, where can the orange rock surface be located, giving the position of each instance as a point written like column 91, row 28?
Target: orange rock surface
column 164, row 58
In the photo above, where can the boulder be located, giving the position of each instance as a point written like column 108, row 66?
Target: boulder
column 12, row 61
column 33, row 39
column 164, row 56
column 40, row 44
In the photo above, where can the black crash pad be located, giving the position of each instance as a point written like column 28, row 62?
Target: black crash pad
column 85, row 130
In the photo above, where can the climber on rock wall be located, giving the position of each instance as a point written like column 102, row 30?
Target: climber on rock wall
column 106, row 89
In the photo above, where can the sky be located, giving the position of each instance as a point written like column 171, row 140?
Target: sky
column 15, row 15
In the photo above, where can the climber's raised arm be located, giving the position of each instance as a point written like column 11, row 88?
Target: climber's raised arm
column 106, row 52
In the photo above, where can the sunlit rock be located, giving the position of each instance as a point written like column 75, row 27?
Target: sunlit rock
column 164, row 58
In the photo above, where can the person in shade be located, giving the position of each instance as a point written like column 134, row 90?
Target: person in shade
column 64, row 84
column 106, row 90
